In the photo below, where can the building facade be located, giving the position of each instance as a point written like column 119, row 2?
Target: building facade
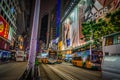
column 8, row 12
column 46, row 8
column 75, row 12
column 52, row 24
column 14, row 22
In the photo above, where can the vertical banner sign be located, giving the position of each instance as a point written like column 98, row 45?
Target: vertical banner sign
column 33, row 42
column 3, row 28
column 10, row 35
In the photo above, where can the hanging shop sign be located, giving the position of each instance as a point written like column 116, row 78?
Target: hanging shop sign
column 10, row 33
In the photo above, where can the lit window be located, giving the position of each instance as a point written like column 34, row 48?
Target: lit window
column 109, row 41
column 118, row 38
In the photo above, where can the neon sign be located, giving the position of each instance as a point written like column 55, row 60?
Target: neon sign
column 3, row 28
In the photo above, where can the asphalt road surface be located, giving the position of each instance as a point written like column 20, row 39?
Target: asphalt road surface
column 12, row 71
column 67, row 71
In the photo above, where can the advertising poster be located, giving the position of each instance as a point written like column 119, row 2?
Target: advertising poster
column 74, row 28
column 3, row 28
column 66, row 32
column 71, row 30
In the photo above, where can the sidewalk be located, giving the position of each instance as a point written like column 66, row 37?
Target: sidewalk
column 6, row 62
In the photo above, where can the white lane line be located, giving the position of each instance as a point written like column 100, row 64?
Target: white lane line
column 68, row 77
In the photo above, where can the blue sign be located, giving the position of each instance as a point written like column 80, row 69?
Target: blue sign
column 68, row 42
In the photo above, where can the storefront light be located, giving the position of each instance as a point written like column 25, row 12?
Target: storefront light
column 119, row 37
column 21, row 47
column 21, row 39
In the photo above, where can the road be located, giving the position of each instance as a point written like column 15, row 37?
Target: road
column 67, row 71
column 12, row 71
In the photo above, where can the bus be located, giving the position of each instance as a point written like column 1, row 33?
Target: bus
column 20, row 56
column 52, row 57
column 59, row 58
column 87, row 57
column 111, row 57
column 44, row 58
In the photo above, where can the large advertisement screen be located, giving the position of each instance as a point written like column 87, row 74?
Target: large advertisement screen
column 4, row 28
column 71, row 30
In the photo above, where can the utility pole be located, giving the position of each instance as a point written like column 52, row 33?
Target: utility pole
column 33, row 42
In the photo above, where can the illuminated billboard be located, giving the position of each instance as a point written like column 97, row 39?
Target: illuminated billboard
column 4, row 28
column 71, row 29
column 60, row 45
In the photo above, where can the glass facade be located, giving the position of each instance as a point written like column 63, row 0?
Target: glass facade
column 112, row 40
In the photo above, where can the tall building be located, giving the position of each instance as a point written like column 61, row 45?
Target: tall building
column 52, row 24
column 14, row 24
column 8, row 13
column 45, row 11
column 53, row 29
column 75, row 12
column 55, row 25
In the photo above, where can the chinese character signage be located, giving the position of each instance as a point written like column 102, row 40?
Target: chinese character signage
column 3, row 28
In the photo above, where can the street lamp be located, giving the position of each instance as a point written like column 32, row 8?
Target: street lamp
column 33, row 42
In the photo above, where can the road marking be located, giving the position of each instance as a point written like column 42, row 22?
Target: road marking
column 68, row 77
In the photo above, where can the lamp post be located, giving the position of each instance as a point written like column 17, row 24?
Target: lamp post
column 33, row 42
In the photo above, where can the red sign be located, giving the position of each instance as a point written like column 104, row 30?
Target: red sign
column 4, row 29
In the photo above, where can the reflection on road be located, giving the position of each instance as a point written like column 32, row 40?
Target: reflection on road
column 66, row 71
column 12, row 71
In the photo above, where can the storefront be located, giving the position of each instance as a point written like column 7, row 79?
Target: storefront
column 4, row 45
